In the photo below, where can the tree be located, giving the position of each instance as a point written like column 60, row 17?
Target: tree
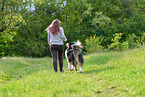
column 10, row 19
column 23, row 22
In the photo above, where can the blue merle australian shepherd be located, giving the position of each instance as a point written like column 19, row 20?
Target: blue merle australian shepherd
column 74, row 56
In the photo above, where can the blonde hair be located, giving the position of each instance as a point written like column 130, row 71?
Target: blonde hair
column 54, row 27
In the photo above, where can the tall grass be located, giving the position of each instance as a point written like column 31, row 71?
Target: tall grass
column 104, row 74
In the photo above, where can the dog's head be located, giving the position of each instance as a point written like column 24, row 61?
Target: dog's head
column 70, row 45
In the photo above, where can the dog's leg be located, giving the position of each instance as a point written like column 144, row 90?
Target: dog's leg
column 81, row 69
column 75, row 67
column 74, row 64
column 69, row 66
column 76, row 70
column 72, row 67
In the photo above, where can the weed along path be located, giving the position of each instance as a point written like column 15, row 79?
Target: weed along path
column 106, row 74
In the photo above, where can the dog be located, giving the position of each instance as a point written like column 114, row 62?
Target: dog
column 74, row 55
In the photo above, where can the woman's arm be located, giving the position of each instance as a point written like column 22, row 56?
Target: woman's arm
column 48, row 37
column 63, row 35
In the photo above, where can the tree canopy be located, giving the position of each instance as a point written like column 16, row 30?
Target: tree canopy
column 23, row 22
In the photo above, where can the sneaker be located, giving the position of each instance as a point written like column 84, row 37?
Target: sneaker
column 55, row 71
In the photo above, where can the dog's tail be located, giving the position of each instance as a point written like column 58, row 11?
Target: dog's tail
column 81, row 59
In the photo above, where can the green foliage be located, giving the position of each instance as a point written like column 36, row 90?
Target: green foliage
column 141, row 5
column 2, row 42
column 93, row 44
column 5, row 38
column 116, row 45
column 24, row 20
column 72, row 20
column 133, row 25
column 11, row 18
column 143, row 39
column 135, row 41
column 33, row 48
column 101, row 21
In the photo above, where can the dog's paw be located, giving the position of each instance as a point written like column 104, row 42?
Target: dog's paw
column 75, row 72
column 81, row 71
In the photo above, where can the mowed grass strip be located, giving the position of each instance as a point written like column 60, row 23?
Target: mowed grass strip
column 104, row 74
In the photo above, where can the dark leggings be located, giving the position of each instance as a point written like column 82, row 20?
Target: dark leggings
column 57, row 50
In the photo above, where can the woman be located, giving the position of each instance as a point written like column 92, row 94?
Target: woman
column 55, row 40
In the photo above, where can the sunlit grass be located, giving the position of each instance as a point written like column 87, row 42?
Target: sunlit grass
column 105, row 74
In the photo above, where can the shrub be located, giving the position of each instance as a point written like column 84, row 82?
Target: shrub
column 32, row 48
column 5, row 38
column 135, row 41
column 93, row 44
column 116, row 45
column 35, row 49
column 143, row 39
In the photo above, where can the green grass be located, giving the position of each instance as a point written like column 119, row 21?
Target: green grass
column 109, row 74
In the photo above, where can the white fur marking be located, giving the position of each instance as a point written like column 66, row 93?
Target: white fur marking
column 66, row 55
column 78, row 43
column 80, row 69
column 68, row 65
column 72, row 67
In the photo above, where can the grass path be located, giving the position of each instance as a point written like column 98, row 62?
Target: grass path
column 104, row 75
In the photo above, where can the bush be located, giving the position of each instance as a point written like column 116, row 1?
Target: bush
column 135, row 41
column 32, row 48
column 5, row 38
column 93, row 44
column 143, row 39
column 118, row 46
